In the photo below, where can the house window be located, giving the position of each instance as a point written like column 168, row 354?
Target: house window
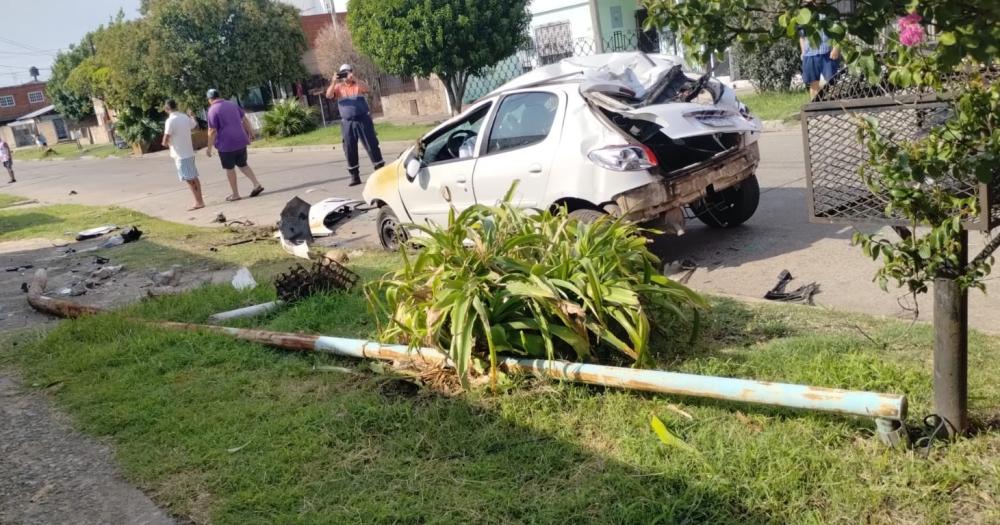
column 6, row 101
column 35, row 97
column 553, row 42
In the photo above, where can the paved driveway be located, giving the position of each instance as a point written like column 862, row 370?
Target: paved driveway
column 744, row 261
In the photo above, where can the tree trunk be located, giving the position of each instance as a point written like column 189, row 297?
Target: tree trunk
column 455, row 90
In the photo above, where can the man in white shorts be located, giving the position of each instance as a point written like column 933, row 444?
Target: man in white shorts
column 177, row 135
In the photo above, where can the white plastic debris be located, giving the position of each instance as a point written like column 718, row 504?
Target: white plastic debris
column 243, row 280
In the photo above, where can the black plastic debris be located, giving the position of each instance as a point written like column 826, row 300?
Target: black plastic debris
column 130, row 234
column 803, row 294
column 20, row 268
column 294, row 225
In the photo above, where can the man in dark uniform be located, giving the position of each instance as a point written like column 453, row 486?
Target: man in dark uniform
column 355, row 120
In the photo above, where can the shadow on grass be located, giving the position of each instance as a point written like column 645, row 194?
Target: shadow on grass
column 21, row 221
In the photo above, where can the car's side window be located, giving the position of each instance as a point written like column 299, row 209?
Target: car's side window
column 523, row 119
column 452, row 142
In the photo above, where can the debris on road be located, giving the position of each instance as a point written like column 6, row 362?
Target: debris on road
column 324, row 275
column 74, row 290
column 95, row 232
column 677, row 267
column 301, row 222
column 106, row 272
column 803, row 294
column 243, row 280
column 220, row 218
column 20, row 268
column 168, row 278
column 337, row 256
column 130, row 234
column 72, row 192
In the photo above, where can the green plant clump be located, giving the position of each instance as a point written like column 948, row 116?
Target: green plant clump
column 137, row 127
column 288, row 117
column 502, row 280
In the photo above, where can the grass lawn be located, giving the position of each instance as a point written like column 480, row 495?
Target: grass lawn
column 163, row 243
column 70, row 151
column 330, row 135
column 232, row 433
column 776, row 106
column 7, row 200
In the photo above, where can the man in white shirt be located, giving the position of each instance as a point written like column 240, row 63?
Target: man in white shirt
column 177, row 135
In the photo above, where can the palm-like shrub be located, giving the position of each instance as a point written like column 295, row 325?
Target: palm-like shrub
column 138, row 127
column 500, row 280
column 288, row 117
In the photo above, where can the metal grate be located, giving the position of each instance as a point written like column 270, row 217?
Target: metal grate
column 835, row 154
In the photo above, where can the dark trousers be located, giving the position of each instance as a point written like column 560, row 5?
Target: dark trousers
column 360, row 128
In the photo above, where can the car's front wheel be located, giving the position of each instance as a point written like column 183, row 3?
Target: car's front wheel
column 390, row 232
column 730, row 207
column 586, row 215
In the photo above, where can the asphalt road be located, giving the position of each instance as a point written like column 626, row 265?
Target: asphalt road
column 744, row 261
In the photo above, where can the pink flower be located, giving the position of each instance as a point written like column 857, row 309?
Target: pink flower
column 911, row 32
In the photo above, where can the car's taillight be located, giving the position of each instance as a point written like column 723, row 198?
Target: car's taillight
column 624, row 158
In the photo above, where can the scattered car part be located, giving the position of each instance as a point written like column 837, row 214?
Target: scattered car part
column 326, row 213
column 294, row 225
column 802, row 294
column 243, row 280
column 324, row 275
column 95, row 232
column 106, row 272
column 299, row 249
column 20, row 268
column 889, row 410
column 130, row 234
column 248, row 311
column 171, row 277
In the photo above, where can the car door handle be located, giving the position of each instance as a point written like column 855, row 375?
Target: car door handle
column 535, row 168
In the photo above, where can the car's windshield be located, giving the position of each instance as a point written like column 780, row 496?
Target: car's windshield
column 445, row 144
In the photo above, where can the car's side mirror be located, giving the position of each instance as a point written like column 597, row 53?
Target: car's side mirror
column 413, row 167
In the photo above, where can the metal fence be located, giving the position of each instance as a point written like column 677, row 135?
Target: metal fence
column 835, row 156
column 552, row 43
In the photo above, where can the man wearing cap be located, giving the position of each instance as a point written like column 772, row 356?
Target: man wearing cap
column 355, row 121
column 229, row 131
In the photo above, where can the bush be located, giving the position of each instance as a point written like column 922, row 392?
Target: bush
column 138, row 127
column 499, row 280
column 288, row 117
column 770, row 67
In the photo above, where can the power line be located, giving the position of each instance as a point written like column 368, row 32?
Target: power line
column 23, row 46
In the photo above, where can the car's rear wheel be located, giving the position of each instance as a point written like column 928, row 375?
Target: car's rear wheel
column 730, row 207
column 586, row 215
column 390, row 232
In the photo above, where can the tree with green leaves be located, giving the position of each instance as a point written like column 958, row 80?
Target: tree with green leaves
column 119, row 68
column 69, row 102
column 453, row 39
column 889, row 41
column 230, row 45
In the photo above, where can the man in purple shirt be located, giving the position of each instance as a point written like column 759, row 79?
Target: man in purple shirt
column 229, row 131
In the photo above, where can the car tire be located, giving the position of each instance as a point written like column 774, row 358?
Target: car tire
column 731, row 207
column 390, row 232
column 586, row 215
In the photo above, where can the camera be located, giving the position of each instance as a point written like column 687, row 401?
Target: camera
column 341, row 75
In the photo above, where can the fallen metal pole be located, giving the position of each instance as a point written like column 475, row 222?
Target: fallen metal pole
column 249, row 311
column 881, row 406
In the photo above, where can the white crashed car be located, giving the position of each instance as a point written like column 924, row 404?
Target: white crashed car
column 626, row 134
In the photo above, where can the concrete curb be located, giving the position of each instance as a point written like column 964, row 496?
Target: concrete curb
column 779, row 125
column 392, row 144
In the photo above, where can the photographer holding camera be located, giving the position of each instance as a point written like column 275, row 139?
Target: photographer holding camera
column 355, row 120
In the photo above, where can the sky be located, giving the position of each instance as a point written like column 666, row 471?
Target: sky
column 33, row 31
